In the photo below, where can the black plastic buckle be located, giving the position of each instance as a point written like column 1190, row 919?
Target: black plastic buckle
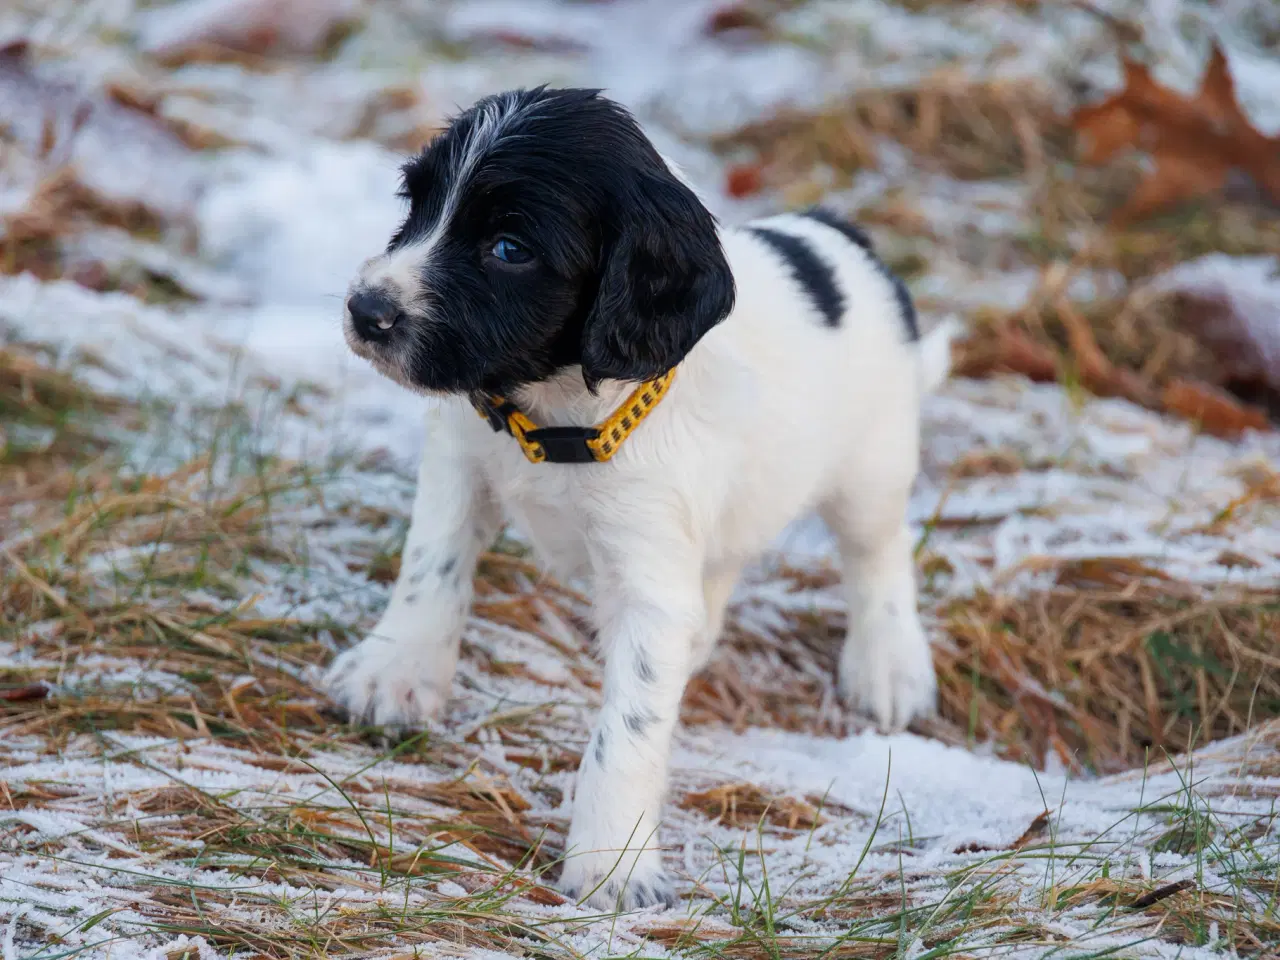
column 565, row 444
column 496, row 413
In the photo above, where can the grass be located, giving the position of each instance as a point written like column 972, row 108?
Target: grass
column 1109, row 665
column 133, row 596
column 971, row 130
column 163, row 622
column 1097, row 676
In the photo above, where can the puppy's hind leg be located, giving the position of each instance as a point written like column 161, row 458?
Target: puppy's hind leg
column 402, row 672
column 886, row 670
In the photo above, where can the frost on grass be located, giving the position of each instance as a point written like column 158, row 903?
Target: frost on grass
column 202, row 498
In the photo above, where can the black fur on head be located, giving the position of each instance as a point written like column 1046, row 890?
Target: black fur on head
column 543, row 232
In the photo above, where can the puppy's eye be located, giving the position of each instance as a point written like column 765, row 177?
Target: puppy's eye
column 510, row 251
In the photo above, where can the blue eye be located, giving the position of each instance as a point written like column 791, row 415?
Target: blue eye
column 508, row 251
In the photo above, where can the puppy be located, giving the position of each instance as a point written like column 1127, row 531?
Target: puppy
column 658, row 399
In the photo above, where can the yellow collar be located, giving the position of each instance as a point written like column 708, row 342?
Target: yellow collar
column 573, row 444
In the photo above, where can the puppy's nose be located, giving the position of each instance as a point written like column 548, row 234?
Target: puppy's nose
column 373, row 314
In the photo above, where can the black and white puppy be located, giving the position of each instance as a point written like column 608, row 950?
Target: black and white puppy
column 552, row 257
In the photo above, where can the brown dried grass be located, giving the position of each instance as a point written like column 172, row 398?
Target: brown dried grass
column 1071, row 670
column 1111, row 666
column 1111, row 663
column 1150, row 348
column 969, row 129
column 746, row 805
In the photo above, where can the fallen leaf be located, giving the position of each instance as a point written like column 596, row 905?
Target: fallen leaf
column 736, row 16
column 744, row 180
column 214, row 29
column 32, row 691
column 1161, row 893
column 1039, row 826
column 1013, row 351
column 1097, row 372
column 1215, row 410
column 1195, row 141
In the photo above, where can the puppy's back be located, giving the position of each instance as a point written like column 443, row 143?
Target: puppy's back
column 812, row 290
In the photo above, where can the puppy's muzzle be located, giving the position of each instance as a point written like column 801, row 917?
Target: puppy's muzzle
column 373, row 315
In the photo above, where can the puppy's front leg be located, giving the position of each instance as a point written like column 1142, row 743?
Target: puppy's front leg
column 402, row 672
column 650, row 607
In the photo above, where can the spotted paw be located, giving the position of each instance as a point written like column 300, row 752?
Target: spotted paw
column 388, row 683
column 612, row 883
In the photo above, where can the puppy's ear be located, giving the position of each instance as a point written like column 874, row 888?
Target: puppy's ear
column 664, row 282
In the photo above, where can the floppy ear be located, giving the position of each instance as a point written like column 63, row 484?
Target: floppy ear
column 664, row 282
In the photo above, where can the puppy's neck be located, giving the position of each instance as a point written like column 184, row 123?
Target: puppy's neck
column 564, row 400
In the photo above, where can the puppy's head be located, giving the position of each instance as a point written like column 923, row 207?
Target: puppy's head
column 543, row 231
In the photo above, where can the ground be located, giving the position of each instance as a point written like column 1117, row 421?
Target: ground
column 203, row 497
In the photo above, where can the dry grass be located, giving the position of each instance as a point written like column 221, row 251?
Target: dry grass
column 1114, row 665
column 1110, row 668
column 1148, row 347
column 990, row 131
column 33, row 239
column 971, row 130
column 158, row 571
column 747, row 805
column 157, row 575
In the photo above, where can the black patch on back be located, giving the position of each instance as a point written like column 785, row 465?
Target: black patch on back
column 905, row 305
column 809, row 270
column 856, row 236
column 836, row 222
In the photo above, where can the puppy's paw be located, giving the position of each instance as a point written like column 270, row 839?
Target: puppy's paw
column 886, row 673
column 610, row 882
column 387, row 683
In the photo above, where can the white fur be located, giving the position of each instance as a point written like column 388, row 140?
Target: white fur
column 772, row 414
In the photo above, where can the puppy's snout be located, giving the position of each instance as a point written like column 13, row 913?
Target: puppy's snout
column 373, row 314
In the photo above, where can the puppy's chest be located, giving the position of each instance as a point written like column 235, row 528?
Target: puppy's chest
column 550, row 507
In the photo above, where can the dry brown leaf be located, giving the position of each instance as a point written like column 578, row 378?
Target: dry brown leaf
column 1215, row 410
column 736, row 16
column 744, row 180
column 1097, row 372
column 1039, row 826
column 1195, row 142
column 32, row 691
column 1013, row 351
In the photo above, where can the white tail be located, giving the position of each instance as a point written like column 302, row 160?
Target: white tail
column 935, row 354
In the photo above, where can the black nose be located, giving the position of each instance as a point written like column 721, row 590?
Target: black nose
column 373, row 314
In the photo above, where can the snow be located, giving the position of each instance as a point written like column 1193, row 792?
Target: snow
column 297, row 227
column 953, row 810
column 284, row 218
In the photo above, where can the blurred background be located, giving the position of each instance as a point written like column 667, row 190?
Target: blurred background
column 244, row 153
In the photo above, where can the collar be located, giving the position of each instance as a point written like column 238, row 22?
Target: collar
column 573, row 444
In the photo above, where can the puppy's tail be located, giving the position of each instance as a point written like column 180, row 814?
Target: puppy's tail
column 935, row 354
